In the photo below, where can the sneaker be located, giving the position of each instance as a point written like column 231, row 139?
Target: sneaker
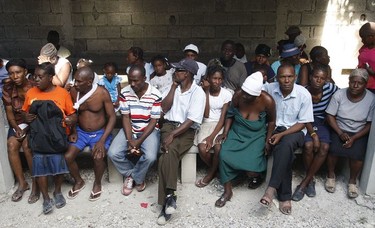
column 310, row 189
column 298, row 194
column 127, row 188
column 163, row 218
column 140, row 187
column 170, row 204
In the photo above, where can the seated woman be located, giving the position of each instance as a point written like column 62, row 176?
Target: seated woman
column 319, row 56
column 245, row 134
column 217, row 103
column 63, row 68
column 161, row 78
column 262, row 53
column 349, row 114
column 14, row 92
column 318, row 138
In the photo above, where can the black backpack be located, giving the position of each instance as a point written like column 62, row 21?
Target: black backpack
column 47, row 135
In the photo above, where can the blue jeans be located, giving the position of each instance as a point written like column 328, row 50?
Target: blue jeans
column 137, row 171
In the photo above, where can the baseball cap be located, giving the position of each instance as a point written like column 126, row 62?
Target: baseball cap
column 187, row 64
column 191, row 47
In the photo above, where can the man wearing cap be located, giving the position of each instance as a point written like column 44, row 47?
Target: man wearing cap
column 293, row 110
column 292, row 32
column 191, row 51
column 235, row 71
column 249, row 124
column 290, row 54
column 262, row 53
column 184, row 108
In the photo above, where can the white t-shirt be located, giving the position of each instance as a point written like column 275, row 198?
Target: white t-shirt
column 201, row 73
column 60, row 63
column 188, row 105
column 216, row 105
column 162, row 83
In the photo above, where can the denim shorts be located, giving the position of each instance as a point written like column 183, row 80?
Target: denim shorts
column 85, row 138
column 48, row 164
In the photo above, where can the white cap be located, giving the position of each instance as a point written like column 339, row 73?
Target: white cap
column 191, row 47
column 253, row 84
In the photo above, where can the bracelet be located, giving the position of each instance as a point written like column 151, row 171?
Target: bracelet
column 312, row 134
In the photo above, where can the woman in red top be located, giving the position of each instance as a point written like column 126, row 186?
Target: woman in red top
column 15, row 88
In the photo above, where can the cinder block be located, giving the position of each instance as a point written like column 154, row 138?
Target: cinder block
column 40, row 32
column 96, row 45
column 148, row 45
column 134, row 31
column 154, row 6
column 143, row 18
column 80, row 46
column 240, row 18
column 180, row 6
column 50, row 19
column 189, row 168
column 191, row 19
column 109, row 32
column 313, row 18
column 301, row 5
column 206, row 6
column 317, row 32
column 26, row 19
column 120, row 44
column 265, row 18
column 2, row 34
column 119, row 19
column 168, row 44
column 95, row 19
column 216, row 18
column 321, row 5
column 107, row 6
column 32, row 45
column 294, row 18
column 77, row 19
column 252, row 31
column 130, row 6
column 7, row 19
column 84, row 32
column 156, row 31
column 163, row 19
column 16, row 6
column 234, row 6
column 203, row 32
column 179, row 31
column 227, row 31
column 84, row 6
column 56, row 6
column 16, row 32
column 270, row 31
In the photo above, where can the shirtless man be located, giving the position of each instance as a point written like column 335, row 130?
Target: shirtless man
column 93, row 129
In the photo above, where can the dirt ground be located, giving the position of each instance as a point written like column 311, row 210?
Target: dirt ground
column 195, row 208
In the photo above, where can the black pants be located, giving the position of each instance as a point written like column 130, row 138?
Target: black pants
column 283, row 156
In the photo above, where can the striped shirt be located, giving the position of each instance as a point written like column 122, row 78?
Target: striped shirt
column 319, row 108
column 141, row 110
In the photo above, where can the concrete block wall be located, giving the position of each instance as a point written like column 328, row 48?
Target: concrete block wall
column 104, row 29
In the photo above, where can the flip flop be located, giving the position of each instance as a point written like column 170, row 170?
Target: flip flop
column 265, row 201
column 33, row 198
column 18, row 194
column 94, row 196
column 222, row 200
column 200, row 183
column 286, row 209
column 72, row 194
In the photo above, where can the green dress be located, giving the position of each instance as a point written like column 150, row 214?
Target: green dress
column 243, row 150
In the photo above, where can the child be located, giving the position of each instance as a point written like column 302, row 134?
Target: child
column 48, row 149
column 161, row 78
column 366, row 58
column 217, row 103
column 112, row 82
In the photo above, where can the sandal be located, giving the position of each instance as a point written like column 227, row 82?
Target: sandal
column 59, row 200
column 266, row 200
column 223, row 200
column 352, row 191
column 33, row 198
column 255, row 182
column 94, row 196
column 18, row 194
column 72, row 194
column 200, row 183
column 330, row 185
column 47, row 206
column 285, row 207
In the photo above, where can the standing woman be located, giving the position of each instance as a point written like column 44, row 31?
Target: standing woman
column 13, row 98
column 349, row 114
column 63, row 68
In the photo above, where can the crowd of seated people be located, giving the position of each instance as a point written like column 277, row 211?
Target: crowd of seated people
column 241, row 111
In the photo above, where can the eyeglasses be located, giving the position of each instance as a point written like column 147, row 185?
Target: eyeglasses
column 180, row 70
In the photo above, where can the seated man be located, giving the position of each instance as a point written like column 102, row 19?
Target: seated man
column 94, row 106
column 134, row 151
column 245, row 135
column 183, row 108
column 293, row 110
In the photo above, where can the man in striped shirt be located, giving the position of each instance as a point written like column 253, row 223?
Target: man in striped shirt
column 135, row 147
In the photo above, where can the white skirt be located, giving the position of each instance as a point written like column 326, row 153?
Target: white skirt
column 204, row 131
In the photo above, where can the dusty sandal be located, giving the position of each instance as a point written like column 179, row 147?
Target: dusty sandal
column 200, row 183
column 352, row 191
column 33, row 198
column 18, row 194
column 330, row 185
column 222, row 200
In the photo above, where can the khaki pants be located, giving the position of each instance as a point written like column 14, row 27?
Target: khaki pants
column 169, row 162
